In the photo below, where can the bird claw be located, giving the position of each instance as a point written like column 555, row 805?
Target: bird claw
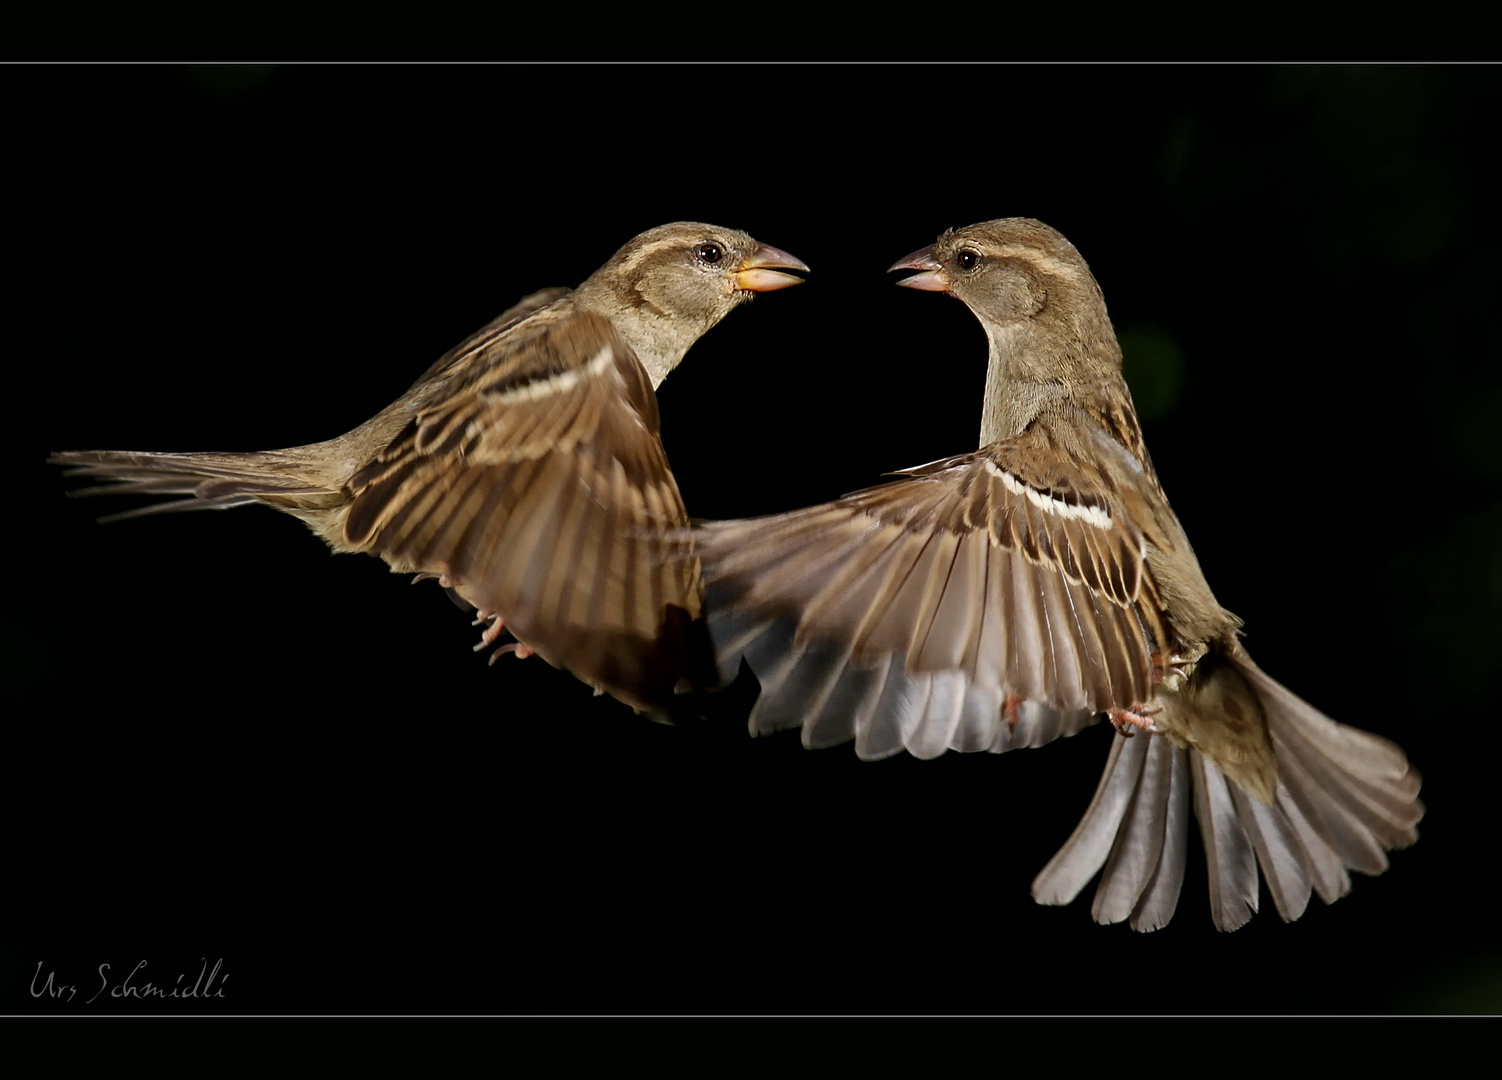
column 1128, row 722
column 521, row 651
column 496, row 627
column 1173, row 671
column 441, row 575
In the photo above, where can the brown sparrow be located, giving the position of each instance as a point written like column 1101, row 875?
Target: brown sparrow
column 1009, row 596
column 524, row 468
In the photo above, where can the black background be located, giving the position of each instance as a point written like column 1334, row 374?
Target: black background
column 222, row 742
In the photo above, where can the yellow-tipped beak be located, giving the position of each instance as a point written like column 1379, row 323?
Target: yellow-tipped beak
column 763, row 270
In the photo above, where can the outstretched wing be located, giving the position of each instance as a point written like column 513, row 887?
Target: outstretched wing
column 537, row 485
column 985, row 602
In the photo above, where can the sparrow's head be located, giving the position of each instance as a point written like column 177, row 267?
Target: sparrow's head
column 1042, row 311
column 672, row 283
column 1007, row 271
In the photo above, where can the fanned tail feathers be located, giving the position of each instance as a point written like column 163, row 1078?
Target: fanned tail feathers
column 1343, row 798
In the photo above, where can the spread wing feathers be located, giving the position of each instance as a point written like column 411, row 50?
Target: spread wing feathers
column 283, row 478
column 539, row 487
column 974, row 605
column 481, row 339
column 1343, row 798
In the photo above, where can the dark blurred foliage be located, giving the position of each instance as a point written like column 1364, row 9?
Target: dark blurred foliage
column 225, row 743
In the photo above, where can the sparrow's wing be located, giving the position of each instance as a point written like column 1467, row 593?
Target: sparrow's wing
column 535, row 482
column 527, row 305
column 989, row 601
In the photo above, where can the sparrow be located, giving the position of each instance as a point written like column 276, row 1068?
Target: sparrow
column 1009, row 596
column 523, row 469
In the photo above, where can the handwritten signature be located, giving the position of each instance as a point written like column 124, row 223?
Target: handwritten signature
column 202, row 987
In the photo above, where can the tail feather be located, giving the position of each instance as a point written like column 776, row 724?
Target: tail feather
column 1280, row 853
column 1334, row 819
column 1343, row 797
column 214, row 481
column 1230, row 860
column 1325, row 864
column 1139, row 872
column 1088, row 847
column 1161, row 897
column 175, row 506
column 1137, row 828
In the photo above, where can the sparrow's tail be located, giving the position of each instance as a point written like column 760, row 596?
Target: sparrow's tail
column 286, row 479
column 1342, row 798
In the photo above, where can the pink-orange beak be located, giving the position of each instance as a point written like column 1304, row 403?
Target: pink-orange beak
column 762, row 271
column 922, row 259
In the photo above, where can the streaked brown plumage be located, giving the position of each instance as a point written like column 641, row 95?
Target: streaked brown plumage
column 524, row 468
column 1006, row 597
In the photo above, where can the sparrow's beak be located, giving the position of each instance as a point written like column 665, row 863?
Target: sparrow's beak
column 922, row 259
column 762, row 270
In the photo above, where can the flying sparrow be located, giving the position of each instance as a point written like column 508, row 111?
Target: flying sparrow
column 524, row 468
column 1009, row 596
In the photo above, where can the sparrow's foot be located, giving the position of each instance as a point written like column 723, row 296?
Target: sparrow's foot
column 496, row 627
column 1173, row 670
column 521, row 651
column 442, row 579
column 446, row 577
column 1128, row 722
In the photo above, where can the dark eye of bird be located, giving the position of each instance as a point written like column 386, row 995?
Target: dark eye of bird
column 967, row 259
column 710, row 253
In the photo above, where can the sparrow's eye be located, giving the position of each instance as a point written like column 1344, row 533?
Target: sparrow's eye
column 710, row 253
column 967, row 259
